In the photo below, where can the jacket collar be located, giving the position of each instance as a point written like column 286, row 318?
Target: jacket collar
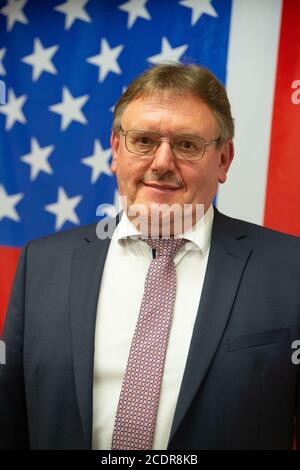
column 228, row 256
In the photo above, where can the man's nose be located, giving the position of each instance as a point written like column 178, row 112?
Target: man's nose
column 163, row 158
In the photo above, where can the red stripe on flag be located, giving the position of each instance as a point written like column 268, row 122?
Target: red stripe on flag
column 8, row 263
column 283, row 190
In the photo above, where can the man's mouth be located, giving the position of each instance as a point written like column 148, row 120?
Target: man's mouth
column 161, row 187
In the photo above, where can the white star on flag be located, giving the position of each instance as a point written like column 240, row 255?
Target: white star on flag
column 38, row 159
column 8, row 203
column 13, row 11
column 135, row 9
column 64, row 209
column 168, row 53
column 70, row 109
column 98, row 162
column 106, row 60
column 40, row 59
column 74, row 10
column 2, row 54
column 199, row 7
column 13, row 109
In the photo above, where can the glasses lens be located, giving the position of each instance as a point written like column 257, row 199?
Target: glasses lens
column 185, row 147
column 141, row 142
column 188, row 147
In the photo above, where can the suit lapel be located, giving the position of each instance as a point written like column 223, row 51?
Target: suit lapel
column 229, row 254
column 228, row 257
column 86, row 272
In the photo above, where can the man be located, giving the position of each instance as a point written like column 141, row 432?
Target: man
column 95, row 359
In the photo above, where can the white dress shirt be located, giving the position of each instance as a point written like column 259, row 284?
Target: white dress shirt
column 119, row 303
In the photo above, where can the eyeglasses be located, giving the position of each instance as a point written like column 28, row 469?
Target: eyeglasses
column 183, row 146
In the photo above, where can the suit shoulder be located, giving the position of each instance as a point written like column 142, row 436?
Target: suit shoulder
column 263, row 236
column 67, row 238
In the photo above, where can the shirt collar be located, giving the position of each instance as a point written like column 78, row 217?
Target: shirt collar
column 199, row 236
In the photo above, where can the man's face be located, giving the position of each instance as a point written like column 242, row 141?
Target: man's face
column 162, row 179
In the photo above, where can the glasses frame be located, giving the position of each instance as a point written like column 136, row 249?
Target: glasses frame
column 169, row 140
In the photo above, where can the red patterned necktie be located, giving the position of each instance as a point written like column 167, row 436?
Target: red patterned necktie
column 137, row 408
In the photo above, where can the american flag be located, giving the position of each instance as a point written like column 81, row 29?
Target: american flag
column 65, row 64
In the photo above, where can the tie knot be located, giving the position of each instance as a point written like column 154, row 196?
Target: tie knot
column 165, row 246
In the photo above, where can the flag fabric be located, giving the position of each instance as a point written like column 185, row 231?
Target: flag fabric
column 263, row 82
column 65, row 64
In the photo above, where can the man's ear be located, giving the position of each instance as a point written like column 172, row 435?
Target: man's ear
column 114, row 143
column 226, row 158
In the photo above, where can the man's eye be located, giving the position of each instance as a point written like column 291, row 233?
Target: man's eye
column 186, row 145
column 144, row 140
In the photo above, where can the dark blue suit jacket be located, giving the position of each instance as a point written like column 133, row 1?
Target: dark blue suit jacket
column 240, row 389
